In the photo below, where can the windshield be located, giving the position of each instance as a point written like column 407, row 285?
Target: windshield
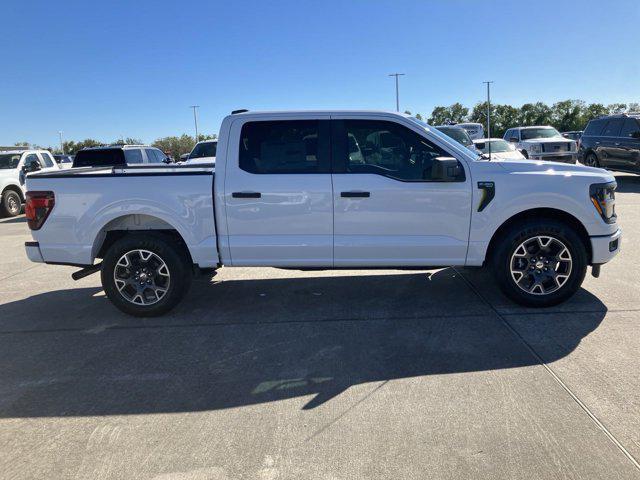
column 205, row 149
column 458, row 134
column 529, row 133
column 9, row 160
column 497, row 146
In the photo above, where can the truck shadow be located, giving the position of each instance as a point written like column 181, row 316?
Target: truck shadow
column 238, row 343
column 628, row 183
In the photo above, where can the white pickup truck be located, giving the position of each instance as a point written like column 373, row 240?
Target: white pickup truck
column 291, row 190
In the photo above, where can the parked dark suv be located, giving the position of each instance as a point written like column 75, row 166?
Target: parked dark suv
column 612, row 142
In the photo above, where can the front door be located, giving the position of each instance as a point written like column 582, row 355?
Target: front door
column 279, row 208
column 387, row 209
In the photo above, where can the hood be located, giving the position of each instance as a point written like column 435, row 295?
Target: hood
column 548, row 140
column 556, row 168
column 515, row 155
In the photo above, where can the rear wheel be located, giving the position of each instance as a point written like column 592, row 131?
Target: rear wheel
column 146, row 275
column 11, row 204
column 540, row 263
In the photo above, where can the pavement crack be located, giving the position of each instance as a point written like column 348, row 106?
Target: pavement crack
column 549, row 370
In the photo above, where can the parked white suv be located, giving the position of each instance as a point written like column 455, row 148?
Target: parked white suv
column 543, row 143
column 12, row 176
column 326, row 189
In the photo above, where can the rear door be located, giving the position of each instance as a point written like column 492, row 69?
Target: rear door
column 47, row 162
column 278, row 195
column 387, row 209
column 611, row 149
column 630, row 140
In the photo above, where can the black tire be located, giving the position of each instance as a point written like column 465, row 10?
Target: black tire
column 521, row 234
column 11, row 204
column 163, row 247
column 591, row 160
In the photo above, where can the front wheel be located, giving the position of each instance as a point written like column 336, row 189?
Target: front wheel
column 540, row 263
column 146, row 275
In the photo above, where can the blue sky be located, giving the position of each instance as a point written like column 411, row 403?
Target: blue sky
column 107, row 69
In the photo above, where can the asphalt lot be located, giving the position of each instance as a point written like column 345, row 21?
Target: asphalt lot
column 271, row 374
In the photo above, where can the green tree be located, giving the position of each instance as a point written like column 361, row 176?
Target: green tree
column 617, row 108
column 568, row 115
column 538, row 113
column 128, row 141
column 455, row 113
column 71, row 147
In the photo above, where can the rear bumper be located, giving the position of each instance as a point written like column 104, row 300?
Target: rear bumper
column 606, row 247
column 33, row 252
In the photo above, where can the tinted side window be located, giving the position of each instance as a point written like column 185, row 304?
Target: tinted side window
column 595, row 127
column 31, row 159
column 631, row 128
column 389, row 149
column 46, row 158
column 613, row 127
column 133, row 156
column 153, row 155
column 291, row 146
column 205, row 149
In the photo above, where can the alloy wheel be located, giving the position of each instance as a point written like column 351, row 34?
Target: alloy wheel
column 541, row 265
column 142, row 277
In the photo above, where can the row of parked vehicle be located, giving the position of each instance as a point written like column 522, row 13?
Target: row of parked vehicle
column 16, row 162
column 611, row 142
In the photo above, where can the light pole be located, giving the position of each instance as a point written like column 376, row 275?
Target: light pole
column 489, row 113
column 195, row 119
column 61, row 143
column 397, row 91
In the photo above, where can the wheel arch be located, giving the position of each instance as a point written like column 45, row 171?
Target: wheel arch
column 128, row 224
column 541, row 213
column 15, row 188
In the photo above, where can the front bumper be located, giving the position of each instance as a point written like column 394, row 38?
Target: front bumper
column 568, row 157
column 33, row 252
column 604, row 248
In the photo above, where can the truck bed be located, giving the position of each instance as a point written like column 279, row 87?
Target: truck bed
column 91, row 202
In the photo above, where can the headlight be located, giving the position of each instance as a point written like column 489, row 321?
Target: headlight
column 536, row 148
column 603, row 198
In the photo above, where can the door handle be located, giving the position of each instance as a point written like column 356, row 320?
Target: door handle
column 246, row 195
column 617, row 144
column 355, row 194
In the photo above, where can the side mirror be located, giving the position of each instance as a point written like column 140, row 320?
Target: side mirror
column 514, row 139
column 166, row 160
column 31, row 167
column 445, row 169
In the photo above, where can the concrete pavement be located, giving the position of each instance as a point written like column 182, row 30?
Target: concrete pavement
column 266, row 373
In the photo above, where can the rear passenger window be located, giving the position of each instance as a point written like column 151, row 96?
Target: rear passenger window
column 46, row 158
column 595, row 128
column 613, row 127
column 133, row 156
column 295, row 146
column 631, row 128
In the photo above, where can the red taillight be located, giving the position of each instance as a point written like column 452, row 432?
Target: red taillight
column 38, row 208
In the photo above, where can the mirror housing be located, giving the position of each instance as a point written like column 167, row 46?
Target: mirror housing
column 445, row 169
column 513, row 139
